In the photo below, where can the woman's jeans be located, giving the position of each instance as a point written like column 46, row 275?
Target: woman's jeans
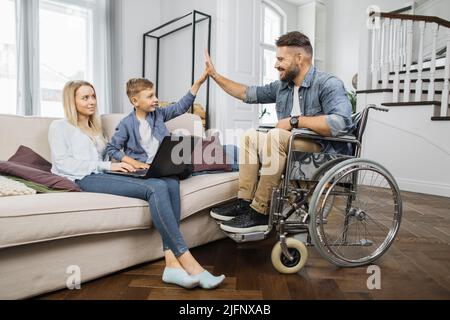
column 162, row 195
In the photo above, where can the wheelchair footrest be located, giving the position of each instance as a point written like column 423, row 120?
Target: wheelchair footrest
column 247, row 237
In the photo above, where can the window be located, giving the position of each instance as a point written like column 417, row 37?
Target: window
column 274, row 21
column 8, row 63
column 44, row 44
column 65, row 51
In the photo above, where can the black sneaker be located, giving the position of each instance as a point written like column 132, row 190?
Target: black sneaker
column 230, row 210
column 251, row 221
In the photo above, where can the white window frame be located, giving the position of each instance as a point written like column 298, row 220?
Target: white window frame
column 98, row 51
column 61, row 6
column 267, row 46
column 14, row 78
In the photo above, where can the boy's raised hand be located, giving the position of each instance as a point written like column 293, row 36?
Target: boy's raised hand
column 199, row 82
column 203, row 77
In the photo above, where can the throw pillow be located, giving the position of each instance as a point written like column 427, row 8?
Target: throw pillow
column 13, row 188
column 29, row 165
column 38, row 176
column 26, row 156
column 209, row 155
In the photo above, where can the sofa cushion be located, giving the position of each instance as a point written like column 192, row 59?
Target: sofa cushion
column 33, row 131
column 44, row 217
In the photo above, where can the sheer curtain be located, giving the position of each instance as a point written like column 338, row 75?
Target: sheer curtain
column 27, row 31
column 58, row 41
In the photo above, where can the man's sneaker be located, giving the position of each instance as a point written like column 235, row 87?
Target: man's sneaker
column 230, row 210
column 251, row 221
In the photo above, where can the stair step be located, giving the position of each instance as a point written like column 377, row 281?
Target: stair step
column 403, row 104
column 412, row 91
column 415, row 80
column 415, row 70
column 440, row 118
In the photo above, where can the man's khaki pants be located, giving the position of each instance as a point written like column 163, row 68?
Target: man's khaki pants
column 268, row 152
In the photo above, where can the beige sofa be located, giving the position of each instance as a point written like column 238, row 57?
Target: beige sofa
column 42, row 236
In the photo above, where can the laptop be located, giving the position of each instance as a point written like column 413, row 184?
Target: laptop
column 164, row 164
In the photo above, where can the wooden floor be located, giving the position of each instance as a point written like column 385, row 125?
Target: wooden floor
column 417, row 266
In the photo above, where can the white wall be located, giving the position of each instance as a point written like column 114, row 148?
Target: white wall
column 176, row 49
column 438, row 8
column 412, row 147
column 291, row 13
column 133, row 19
column 345, row 22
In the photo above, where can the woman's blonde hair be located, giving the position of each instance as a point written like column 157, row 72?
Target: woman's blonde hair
column 70, row 109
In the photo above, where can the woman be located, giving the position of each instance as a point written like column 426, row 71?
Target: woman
column 78, row 149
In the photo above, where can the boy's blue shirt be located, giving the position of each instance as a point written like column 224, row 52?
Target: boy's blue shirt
column 126, row 139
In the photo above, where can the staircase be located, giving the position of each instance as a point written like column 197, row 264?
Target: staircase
column 409, row 62
column 405, row 66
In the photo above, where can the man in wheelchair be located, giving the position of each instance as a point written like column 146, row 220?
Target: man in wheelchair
column 305, row 98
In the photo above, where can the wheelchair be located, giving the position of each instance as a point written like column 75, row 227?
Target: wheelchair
column 347, row 207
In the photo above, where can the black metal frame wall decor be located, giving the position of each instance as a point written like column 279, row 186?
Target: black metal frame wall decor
column 150, row 34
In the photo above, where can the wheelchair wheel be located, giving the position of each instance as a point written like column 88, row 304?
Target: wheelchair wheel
column 298, row 251
column 355, row 213
column 318, row 176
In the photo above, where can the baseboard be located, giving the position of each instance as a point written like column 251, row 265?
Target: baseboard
column 426, row 187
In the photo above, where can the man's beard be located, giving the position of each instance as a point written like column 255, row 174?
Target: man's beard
column 290, row 74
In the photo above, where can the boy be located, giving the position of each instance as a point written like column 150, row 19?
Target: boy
column 142, row 131
column 139, row 135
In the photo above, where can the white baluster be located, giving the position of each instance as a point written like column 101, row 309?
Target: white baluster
column 397, row 39
column 385, row 53
column 405, row 35
column 444, row 103
column 409, row 47
column 373, row 67
column 418, row 96
column 431, row 88
column 391, row 45
column 402, row 45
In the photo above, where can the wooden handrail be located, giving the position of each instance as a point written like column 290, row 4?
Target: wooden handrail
column 401, row 10
column 413, row 17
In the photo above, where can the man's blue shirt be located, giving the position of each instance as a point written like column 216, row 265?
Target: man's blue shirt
column 319, row 94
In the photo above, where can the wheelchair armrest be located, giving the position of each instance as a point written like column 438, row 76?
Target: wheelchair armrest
column 307, row 133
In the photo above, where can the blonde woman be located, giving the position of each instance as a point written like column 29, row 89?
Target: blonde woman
column 78, row 151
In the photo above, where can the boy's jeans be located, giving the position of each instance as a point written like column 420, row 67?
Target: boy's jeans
column 163, row 196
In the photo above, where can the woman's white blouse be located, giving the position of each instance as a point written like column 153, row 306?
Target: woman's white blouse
column 74, row 154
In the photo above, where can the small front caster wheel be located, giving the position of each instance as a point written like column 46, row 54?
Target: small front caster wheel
column 298, row 251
